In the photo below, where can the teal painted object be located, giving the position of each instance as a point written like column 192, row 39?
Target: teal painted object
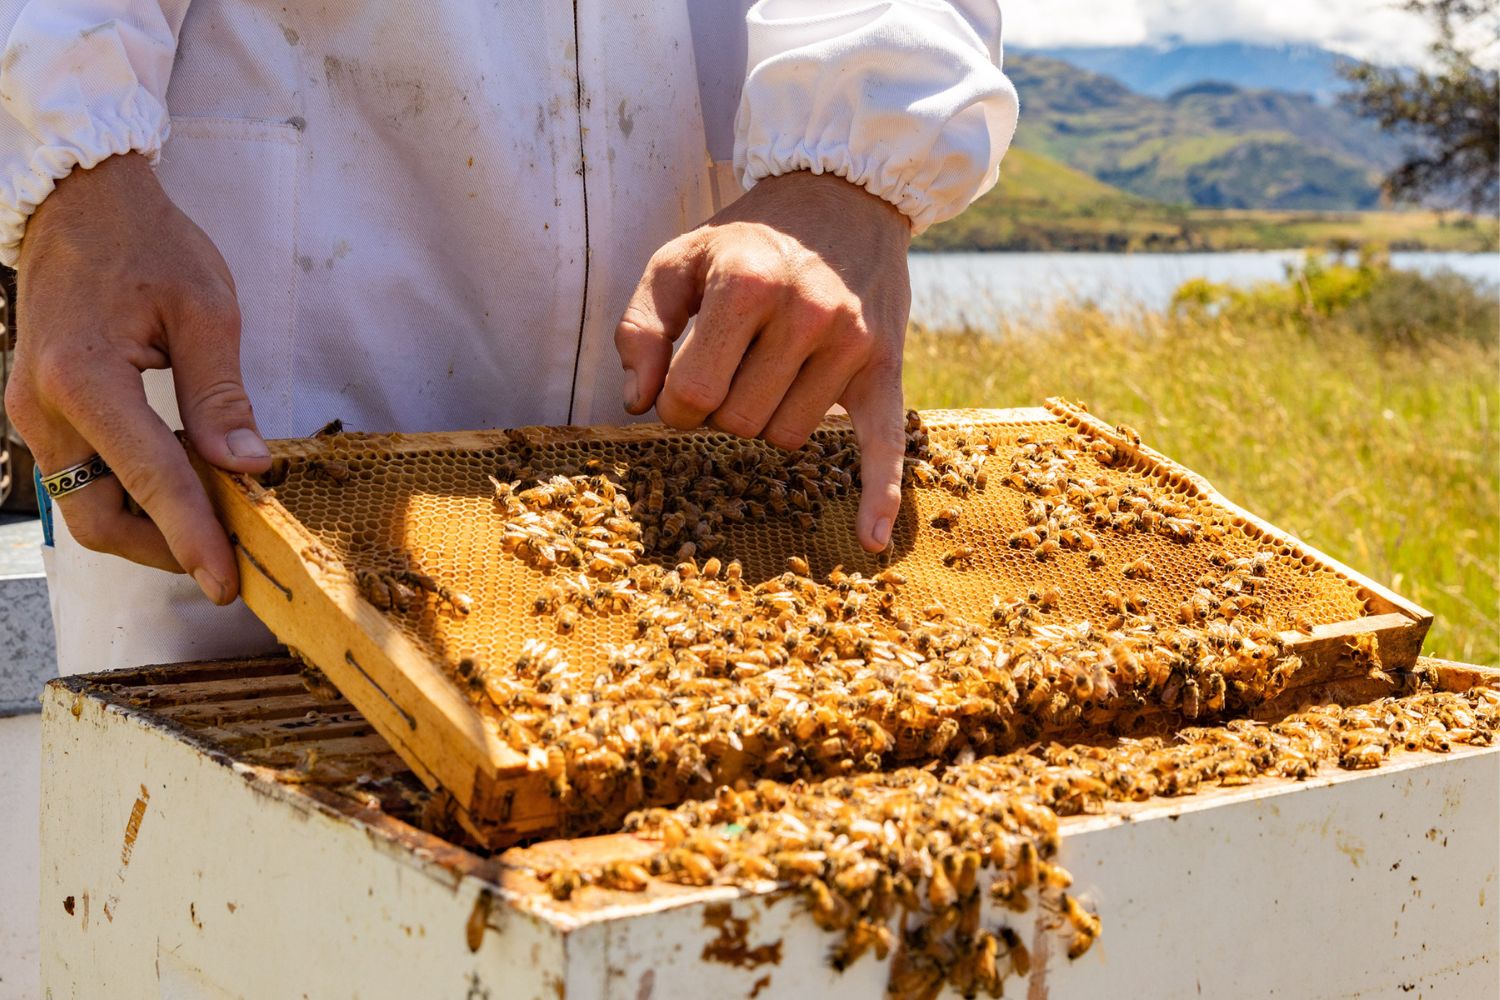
column 43, row 507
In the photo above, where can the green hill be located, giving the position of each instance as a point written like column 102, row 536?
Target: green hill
column 1098, row 167
column 1042, row 205
column 1032, row 177
column 1210, row 144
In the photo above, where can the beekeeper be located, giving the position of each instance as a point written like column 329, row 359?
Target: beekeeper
column 445, row 215
column 423, row 217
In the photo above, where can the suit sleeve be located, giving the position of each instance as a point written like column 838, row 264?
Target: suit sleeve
column 905, row 98
column 80, row 80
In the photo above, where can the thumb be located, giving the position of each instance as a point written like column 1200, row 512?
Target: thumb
column 669, row 292
column 216, row 414
column 878, row 413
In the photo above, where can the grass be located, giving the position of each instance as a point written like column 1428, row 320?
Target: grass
column 1382, row 451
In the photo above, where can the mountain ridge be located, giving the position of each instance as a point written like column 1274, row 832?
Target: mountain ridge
column 1161, row 69
column 1210, row 144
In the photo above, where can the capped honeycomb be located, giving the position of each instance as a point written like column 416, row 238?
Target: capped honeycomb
column 639, row 616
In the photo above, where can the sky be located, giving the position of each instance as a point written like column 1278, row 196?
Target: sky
column 1367, row 29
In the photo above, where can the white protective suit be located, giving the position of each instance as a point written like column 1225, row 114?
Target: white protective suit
column 435, row 213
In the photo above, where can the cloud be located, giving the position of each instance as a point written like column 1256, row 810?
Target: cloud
column 1368, row 29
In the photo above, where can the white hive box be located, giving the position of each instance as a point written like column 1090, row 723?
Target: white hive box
column 179, row 862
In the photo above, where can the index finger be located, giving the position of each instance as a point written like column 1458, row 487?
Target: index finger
column 878, row 413
column 107, row 405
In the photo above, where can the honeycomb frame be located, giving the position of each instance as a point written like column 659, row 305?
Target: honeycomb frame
column 300, row 579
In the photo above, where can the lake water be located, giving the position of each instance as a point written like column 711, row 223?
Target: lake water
column 953, row 288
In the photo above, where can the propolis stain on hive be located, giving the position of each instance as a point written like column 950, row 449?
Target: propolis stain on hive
column 731, row 946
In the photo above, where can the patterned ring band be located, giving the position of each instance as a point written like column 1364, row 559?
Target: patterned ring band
column 75, row 477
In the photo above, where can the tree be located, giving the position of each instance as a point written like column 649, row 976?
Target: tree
column 1451, row 109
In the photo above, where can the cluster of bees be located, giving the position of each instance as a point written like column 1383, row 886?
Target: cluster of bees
column 1066, row 510
column 578, row 522
column 904, row 860
column 680, row 501
column 959, row 469
column 404, row 587
column 841, row 731
column 799, row 678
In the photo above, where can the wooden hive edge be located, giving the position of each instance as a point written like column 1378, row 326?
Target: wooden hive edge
column 312, row 605
column 551, row 436
column 1400, row 625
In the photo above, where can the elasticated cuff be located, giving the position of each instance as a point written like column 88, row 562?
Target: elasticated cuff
column 903, row 98
column 100, row 135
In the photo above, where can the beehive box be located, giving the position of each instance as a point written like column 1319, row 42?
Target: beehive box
column 338, row 509
column 216, row 830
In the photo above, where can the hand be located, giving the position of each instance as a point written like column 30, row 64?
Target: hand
column 802, row 294
column 114, row 280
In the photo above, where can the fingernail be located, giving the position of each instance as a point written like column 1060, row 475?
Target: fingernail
column 245, row 443
column 630, row 389
column 211, row 585
column 883, row 532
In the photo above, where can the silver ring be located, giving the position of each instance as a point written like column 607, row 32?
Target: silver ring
column 75, row 477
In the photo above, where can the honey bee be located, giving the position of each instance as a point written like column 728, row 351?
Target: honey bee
column 563, row 883
column 470, row 672
column 1046, row 599
column 1019, row 954
column 556, row 765
column 959, row 558
column 1026, row 538
column 374, row 588
column 1180, row 528
column 626, row 876
column 799, row 864
column 829, row 910
column 1365, row 651
column 567, row 619
column 693, row 868
column 317, row 683
column 1084, row 924
column 798, row 566
column 1139, row 569
column 1191, row 702
column 753, row 866
column 946, row 518
column 864, row 936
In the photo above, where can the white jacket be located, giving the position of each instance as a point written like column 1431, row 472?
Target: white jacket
column 434, row 213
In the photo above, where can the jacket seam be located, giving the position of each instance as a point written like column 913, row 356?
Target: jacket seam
column 583, row 183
